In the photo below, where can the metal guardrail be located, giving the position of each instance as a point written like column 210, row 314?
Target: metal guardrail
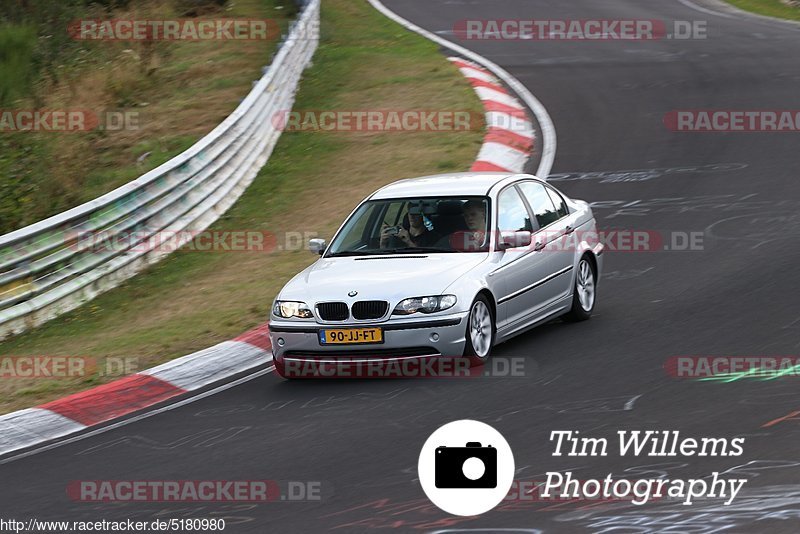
column 47, row 270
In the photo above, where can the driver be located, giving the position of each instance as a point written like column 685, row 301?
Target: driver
column 413, row 232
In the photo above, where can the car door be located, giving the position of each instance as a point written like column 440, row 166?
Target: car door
column 519, row 267
column 555, row 237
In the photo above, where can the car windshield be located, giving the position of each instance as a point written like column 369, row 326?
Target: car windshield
column 415, row 225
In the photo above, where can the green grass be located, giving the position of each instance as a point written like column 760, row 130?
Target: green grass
column 17, row 44
column 771, row 8
column 179, row 89
column 192, row 300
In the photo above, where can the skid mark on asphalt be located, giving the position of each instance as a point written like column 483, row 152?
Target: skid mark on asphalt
column 776, row 504
column 316, row 403
column 631, row 402
column 698, row 204
column 757, row 229
column 206, row 438
column 489, row 531
column 792, row 324
column 643, row 175
column 626, row 274
column 602, row 405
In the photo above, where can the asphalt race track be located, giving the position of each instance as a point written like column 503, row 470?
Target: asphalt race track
column 737, row 295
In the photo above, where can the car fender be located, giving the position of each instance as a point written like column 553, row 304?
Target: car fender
column 589, row 241
column 467, row 287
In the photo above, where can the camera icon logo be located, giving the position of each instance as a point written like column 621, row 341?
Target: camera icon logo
column 472, row 466
column 466, row 467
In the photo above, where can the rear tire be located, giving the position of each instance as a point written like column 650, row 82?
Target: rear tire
column 585, row 291
column 480, row 332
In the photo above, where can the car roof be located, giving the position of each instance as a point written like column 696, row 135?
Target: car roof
column 452, row 184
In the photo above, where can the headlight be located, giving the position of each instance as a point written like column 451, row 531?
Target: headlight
column 425, row 304
column 289, row 309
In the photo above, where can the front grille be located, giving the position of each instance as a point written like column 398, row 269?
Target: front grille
column 370, row 309
column 333, row 311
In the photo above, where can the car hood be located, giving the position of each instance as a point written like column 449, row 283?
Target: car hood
column 391, row 278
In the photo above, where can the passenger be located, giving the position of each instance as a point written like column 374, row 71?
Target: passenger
column 472, row 239
column 475, row 238
column 475, row 216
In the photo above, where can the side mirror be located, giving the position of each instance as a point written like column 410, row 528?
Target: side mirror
column 514, row 240
column 317, row 246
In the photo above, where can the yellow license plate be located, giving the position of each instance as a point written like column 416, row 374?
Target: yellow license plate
column 349, row 336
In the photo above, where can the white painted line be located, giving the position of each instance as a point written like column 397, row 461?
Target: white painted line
column 487, row 93
column 141, row 416
column 756, row 16
column 692, row 5
column 549, row 141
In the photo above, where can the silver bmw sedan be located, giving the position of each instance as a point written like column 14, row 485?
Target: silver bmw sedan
column 440, row 267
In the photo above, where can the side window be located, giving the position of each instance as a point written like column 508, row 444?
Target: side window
column 558, row 200
column 539, row 200
column 512, row 215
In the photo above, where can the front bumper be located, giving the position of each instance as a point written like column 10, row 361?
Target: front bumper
column 402, row 339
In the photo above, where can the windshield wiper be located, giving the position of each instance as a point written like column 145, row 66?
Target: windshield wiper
column 417, row 249
column 355, row 253
column 386, row 252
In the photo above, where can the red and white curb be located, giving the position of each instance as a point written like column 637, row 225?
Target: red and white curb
column 510, row 136
column 119, row 398
column 548, row 142
column 508, row 144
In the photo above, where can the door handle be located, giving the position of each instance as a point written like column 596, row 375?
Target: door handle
column 538, row 246
column 569, row 230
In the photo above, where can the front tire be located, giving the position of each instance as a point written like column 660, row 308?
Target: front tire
column 480, row 332
column 584, row 293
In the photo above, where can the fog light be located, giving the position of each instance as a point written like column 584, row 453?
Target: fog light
column 434, row 337
column 281, row 342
